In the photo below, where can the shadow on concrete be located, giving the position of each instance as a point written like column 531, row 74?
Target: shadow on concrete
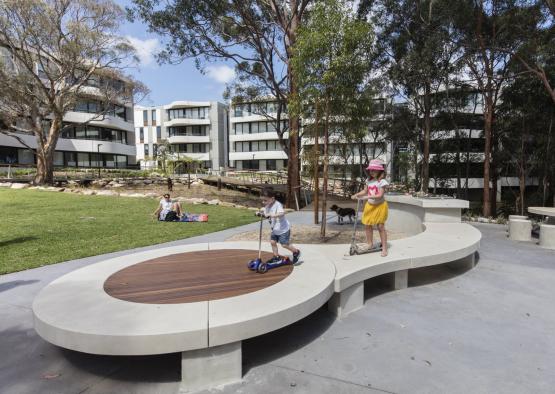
column 436, row 273
column 17, row 240
column 149, row 369
column 15, row 283
column 272, row 346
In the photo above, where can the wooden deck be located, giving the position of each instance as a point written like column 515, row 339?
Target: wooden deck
column 191, row 277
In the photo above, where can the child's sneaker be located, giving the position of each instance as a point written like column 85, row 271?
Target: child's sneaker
column 296, row 256
column 274, row 259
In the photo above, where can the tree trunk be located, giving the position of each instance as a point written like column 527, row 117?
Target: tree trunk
column 488, row 125
column 427, row 131
column 325, row 174
column 521, row 175
column 45, row 167
column 315, row 199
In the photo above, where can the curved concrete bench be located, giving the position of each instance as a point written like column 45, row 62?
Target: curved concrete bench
column 76, row 313
column 439, row 243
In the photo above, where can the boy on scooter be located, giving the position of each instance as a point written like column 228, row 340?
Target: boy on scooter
column 281, row 229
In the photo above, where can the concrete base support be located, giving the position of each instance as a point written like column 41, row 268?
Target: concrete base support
column 517, row 217
column 547, row 236
column 520, row 230
column 400, row 279
column 349, row 300
column 211, row 367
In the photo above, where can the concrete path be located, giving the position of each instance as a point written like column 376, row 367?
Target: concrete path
column 489, row 330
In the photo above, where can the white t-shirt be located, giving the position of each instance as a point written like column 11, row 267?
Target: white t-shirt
column 166, row 205
column 279, row 225
column 373, row 187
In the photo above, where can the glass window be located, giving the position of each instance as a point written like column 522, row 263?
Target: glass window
column 145, row 117
column 154, row 150
column 83, row 159
column 81, row 132
column 262, row 127
column 109, row 160
column 271, row 165
column 271, row 145
column 70, row 159
column 121, row 161
column 141, row 134
column 58, row 158
column 93, row 133
column 146, row 150
column 96, row 160
column 158, row 132
column 153, row 115
column 254, row 127
column 254, row 146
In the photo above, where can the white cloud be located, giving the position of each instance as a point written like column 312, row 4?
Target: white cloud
column 146, row 49
column 222, row 74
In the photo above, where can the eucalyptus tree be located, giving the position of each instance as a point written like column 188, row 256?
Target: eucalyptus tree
column 257, row 37
column 417, row 54
column 332, row 61
column 54, row 52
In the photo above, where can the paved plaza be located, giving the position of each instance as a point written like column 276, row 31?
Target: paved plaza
column 488, row 330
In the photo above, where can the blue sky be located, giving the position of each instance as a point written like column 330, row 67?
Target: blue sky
column 168, row 83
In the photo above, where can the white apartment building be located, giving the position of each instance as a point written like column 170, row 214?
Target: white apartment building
column 195, row 129
column 105, row 142
column 253, row 140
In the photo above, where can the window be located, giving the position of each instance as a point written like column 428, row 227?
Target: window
column 271, row 165
column 96, row 160
column 141, row 135
column 146, row 150
column 83, row 159
column 145, row 118
column 8, row 155
column 251, row 164
column 158, row 132
column 188, row 113
column 153, row 115
column 155, row 150
column 110, row 161
column 70, row 159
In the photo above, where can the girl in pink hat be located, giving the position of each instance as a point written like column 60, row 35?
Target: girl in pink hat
column 375, row 210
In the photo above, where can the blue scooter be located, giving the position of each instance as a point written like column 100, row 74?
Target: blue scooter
column 257, row 264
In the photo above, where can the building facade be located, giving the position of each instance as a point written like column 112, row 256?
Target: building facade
column 253, row 140
column 197, row 130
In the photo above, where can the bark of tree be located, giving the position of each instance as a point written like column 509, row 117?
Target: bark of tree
column 488, row 127
column 316, row 163
column 325, row 172
column 427, row 130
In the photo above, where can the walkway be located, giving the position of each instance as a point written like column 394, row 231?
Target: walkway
column 487, row 331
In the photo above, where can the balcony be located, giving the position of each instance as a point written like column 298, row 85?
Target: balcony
column 260, row 155
column 255, row 137
column 106, row 121
column 186, row 122
column 186, row 139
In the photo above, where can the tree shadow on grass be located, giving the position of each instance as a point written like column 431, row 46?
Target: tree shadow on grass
column 17, row 240
column 15, row 283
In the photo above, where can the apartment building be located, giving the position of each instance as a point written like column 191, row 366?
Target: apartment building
column 253, row 140
column 197, row 130
column 90, row 139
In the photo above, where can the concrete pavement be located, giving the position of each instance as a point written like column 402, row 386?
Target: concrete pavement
column 488, row 330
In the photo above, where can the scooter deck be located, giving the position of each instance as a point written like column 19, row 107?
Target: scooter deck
column 363, row 248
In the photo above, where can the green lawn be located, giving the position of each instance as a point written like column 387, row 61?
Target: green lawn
column 40, row 228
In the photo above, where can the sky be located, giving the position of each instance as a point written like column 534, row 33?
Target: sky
column 169, row 83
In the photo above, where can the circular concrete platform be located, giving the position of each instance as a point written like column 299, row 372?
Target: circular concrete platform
column 193, row 276
column 75, row 311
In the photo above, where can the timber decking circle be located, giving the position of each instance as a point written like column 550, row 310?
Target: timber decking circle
column 205, row 275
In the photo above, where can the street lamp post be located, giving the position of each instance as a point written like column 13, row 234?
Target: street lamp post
column 98, row 158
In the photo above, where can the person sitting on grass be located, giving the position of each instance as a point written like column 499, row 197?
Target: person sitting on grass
column 281, row 229
column 168, row 210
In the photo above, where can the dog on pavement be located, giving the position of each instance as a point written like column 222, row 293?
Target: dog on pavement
column 342, row 212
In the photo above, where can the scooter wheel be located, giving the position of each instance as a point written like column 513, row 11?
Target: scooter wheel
column 262, row 268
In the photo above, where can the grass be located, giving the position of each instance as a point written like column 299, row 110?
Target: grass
column 40, row 228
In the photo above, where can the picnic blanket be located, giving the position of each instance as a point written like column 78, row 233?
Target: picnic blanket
column 194, row 217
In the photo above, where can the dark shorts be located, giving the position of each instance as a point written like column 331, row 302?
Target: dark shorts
column 282, row 239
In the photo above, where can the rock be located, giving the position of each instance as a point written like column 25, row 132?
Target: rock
column 106, row 193
column 227, row 204
column 214, row 202
column 55, row 189
column 152, row 195
column 88, row 192
column 137, row 195
column 5, row 184
column 253, row 209
column 116, row 185
column 19, row 185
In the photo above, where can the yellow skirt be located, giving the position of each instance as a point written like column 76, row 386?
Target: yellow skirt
column 374, row 214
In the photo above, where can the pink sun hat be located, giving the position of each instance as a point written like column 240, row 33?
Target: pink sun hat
column 375, row 165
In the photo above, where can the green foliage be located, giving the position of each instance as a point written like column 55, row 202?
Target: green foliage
column 41, row 228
